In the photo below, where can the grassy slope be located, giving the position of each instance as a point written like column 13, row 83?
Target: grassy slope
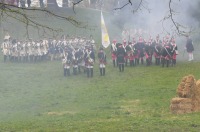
column 36, row 97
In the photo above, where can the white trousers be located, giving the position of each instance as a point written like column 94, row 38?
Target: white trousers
column 191, row 57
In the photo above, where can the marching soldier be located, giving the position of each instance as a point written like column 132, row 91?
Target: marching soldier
column 166, row 54
column 64, row 62
column 89, row 61
column 157, row 50
column 174, row 52
column 120, row 57
column 113, row 52
column 5, row 49
column 189, row 48
column 75, row 61
column 149, row 51
column 102, row 61
column 129, row 55
column 141, row 49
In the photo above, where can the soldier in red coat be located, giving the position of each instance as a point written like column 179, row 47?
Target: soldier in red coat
column 174, row 51
column 113, row 52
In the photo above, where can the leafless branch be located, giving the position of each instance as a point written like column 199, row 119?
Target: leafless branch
column 22, row 15
column 176, row 24
column 138, row 7
column 128, row 2
column 75, row 3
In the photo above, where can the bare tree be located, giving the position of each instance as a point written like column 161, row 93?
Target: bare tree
column 9, row 10
column 24, row 15
column 179, row 28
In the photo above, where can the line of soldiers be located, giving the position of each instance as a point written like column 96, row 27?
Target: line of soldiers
column 83, row 59
column 33, row 51
column 164, row 51
column 76, row 53
column 79, row 53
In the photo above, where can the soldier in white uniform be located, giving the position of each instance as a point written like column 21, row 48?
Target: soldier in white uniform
column 6, row 49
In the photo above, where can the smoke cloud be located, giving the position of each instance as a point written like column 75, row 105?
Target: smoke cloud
column 151, row 16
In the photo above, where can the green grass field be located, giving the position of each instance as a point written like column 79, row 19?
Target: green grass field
column 38, row 98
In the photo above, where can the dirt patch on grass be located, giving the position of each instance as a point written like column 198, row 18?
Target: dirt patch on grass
column 104, row 120
column 62, row 113
column 130, row 106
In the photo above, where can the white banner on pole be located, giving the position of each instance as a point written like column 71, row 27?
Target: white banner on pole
column 104, row 33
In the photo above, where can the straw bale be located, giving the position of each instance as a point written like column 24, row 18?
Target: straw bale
column 181, row 107
column 184, row 79
column 198, row 83
column 181, row 85
column 190, row 79
column 188, row 99
column 181, row 100
column 185, row 106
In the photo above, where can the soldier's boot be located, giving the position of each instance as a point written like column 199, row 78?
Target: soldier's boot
column 122, row 67
column 65, row 72
column 174, row 62
column 167, row 63
column 35, row 59
column 135, row 61
column 88, row 72
column 74, row 71
column 91, row 72
column 101, row 72
column 26, row 58
column 132, row 63
column 104, row 71
column 163, row 62
column 4, row 58
column 68, row 72
column 79, row 69
column 147, row 62
column 158, row 61
column 142, row 61
column 16, row 59
column 9, row 57
column 114, row 63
